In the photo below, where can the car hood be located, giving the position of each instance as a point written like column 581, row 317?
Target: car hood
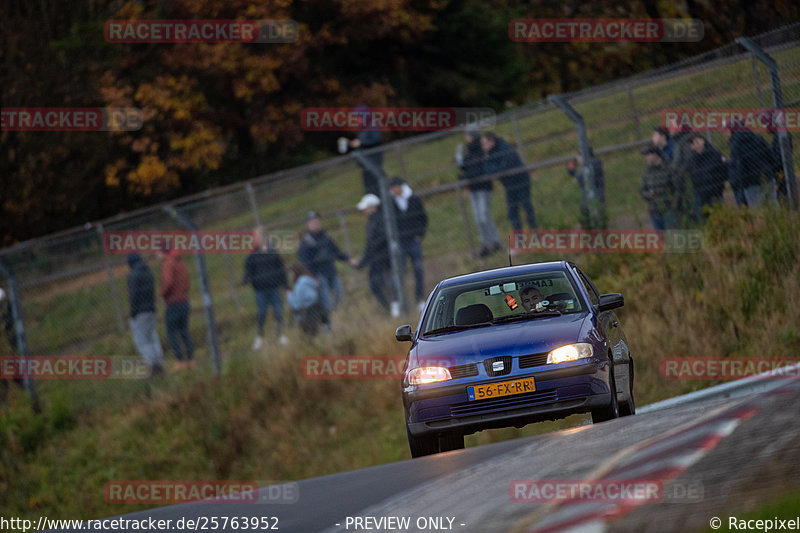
column 515, row 339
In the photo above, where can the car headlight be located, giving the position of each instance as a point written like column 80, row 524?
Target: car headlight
column 428, row 374
column 570, row 352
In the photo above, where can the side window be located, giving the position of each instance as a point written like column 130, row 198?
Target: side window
column 593, row 296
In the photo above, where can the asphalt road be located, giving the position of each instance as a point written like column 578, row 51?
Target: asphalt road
column 720, row 453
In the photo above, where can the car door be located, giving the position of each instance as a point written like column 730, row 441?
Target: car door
column 614, row 335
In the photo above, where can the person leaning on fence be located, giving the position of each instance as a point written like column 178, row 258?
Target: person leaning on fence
column 142, row 299
column 412, row 222
column 304, row 300
column 499, row 156
column 750, row 162
column 480, row 192
column 658, row 189
column 376, row 253
column 175, row 292
column 708, row 172
column 265, row 271
column 318, row 253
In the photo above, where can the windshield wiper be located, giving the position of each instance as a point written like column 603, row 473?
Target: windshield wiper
column 526, row 316
column 456, row 328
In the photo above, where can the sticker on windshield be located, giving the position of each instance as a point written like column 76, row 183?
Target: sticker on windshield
column 511, row 302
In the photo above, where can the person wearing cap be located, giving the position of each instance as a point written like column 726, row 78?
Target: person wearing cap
column 142, row 300
column 175, row 292
column 662, row 140
column 750, row 160
column 499, row 156
column 318, row 252
column 708, row 172
column 658, row 189
column 368, row 138
column 412, row 221
column 376, row 253
column 480, row 191
column 265, row 271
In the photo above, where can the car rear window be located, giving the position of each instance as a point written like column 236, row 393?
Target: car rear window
column 486, row 300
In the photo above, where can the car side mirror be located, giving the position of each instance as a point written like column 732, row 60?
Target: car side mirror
column 610, row 301
column 403, row 333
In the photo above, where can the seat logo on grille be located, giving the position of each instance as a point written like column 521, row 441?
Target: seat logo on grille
column 497, row 366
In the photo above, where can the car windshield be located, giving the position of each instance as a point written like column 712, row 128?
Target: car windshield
column 498, row 300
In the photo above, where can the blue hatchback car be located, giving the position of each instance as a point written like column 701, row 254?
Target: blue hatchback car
column 511, row 346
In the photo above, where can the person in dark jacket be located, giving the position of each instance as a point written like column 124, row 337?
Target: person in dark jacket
column 499, row 156
column 175, row 292
column 708, row 172
column 412, row 221
column 376, row 253
column 662, row 140
column 658, row 189
column 368, row 138
column 142, row 300
column 318, row 253
column 750, row 162
column 265, row 271
column 480, row 192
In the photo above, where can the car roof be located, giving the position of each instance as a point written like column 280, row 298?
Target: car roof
column 504, row 271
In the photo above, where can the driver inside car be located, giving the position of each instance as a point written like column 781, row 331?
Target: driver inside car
column 531, row 298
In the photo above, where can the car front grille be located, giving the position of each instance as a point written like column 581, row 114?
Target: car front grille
column 463, row 371
column 534, row 359
column 503, row 403
column 506, row 360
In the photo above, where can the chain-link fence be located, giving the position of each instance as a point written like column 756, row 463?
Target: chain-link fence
column 73, row 295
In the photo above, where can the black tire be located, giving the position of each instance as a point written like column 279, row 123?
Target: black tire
column 610, row 411
column 629, row 408
column 451, row 442
column 422, row 445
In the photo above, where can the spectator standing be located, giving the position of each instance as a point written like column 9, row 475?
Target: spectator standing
column 499, row 156
column 318, row 253
column 412, row 221
column 175, row 292
column 708, row 171
column 376, row 253
column 304, row 300
column 368, row 138
column 658, row 189
column 142, row 300
column 663, row 141
column 265, row 271
column 750, row 160
column 480, row 192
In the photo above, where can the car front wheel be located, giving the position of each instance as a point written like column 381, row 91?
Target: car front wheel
column 610, row 411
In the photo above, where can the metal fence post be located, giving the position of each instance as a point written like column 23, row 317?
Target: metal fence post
column 465, row 217
column 110, row 272
column 589, row 197
column 19, row 330
column 253, row 205
column 390, row 223
column 518, row 138
column 636, row 121
column 346, row 236
column 777, row 102
column 205, row 288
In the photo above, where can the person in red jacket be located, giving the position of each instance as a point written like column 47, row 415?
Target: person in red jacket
column 175, row 292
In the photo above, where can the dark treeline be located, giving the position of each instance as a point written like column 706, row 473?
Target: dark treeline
column 219, row 113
